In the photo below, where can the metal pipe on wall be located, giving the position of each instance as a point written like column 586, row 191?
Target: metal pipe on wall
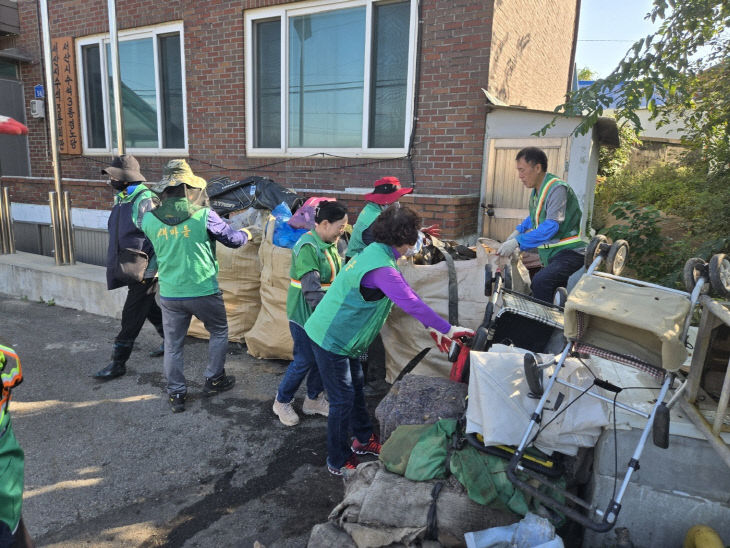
column 8, row 221
column 60, row 241
column 69, row 227
column 3, row 237
column 55, row 228
column 116, row 75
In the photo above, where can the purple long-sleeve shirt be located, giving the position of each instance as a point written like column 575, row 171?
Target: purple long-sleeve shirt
column 221, row 231
column 391, row 282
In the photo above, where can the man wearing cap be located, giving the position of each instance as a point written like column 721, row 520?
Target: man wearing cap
column 183, row 231
column 553, row 225
column 130, row 249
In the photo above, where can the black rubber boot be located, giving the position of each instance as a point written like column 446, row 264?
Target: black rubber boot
column 117, row 367
column 158, row 352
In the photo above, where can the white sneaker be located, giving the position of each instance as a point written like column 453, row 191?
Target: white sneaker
column 319, row 405
column 286, row 413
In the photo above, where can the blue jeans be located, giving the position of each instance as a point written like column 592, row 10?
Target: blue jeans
column 303, row 363
column 556, row 274
column 343, row 380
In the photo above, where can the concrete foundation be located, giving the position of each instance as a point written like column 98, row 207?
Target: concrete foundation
column 80, row 286
column 675, row 488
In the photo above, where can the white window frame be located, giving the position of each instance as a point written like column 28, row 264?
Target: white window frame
column 131, row 34
column 283, row 12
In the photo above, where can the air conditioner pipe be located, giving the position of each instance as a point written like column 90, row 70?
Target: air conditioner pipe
column 55, row 228
column 8, row 228
column 69, row 227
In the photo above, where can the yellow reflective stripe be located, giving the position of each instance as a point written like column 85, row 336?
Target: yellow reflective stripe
column 564, row 241
column 332, row 266
column 541, row 200
column 298, row 284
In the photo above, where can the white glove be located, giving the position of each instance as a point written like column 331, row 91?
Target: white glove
column 508, row 247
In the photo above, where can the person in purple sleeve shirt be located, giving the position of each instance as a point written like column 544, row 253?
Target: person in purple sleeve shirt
column 348, row 318
column 183, row 232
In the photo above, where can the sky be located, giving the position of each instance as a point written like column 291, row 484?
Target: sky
column 607, row 30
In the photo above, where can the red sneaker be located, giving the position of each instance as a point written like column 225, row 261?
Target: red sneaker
column 348, row 467
column 372, row 447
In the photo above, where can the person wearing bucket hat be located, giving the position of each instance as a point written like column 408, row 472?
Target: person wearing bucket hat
column 130, row 261
column 183, row 232
column 386, row 193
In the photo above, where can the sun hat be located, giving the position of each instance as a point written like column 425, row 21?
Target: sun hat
column 387, row 190
column 178, row 172
column 124, row 168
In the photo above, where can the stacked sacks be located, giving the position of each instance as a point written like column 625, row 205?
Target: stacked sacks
column 270, row 337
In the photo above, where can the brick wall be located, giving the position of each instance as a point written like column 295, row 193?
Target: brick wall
column 531, row 55
column 446, row 158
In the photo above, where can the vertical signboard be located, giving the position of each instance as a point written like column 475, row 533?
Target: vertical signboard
column 65, row 95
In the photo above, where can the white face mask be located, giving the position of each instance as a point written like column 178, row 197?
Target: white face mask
column 411, row 251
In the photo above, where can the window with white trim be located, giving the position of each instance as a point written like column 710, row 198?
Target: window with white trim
column 151, row 64
column 329, row 76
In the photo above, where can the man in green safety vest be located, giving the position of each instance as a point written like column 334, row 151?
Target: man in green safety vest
column 553, row 226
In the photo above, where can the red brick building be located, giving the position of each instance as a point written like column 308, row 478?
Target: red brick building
column 317, row 95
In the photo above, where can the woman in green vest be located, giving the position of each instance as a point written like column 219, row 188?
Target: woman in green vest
column 314, row 265
column 347, row 320
column 387, row 192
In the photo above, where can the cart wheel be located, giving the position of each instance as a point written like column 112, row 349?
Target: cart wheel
column 617, row 256
column 693, row 270
column 488, row 280
column 720, row 274
column 507, row 277
column 560, row 297
column 533, row 375
column 481, row 340
column 594, row 249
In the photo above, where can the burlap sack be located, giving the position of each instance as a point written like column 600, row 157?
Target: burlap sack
column 270, row 337
column 238, row 279
column 404, row 336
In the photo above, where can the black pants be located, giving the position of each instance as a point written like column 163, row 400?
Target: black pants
column 139, row 306
column 555, row 274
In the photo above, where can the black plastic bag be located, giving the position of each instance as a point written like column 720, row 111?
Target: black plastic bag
column 259, row 192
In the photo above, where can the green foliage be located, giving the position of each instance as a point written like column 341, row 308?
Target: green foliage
column 611, row 161
column 664, row 72
column 586, row 74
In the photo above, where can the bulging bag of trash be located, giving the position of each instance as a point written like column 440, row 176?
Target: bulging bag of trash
column 284, row 234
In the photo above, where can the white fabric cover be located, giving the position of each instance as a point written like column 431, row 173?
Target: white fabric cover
column 499, row 408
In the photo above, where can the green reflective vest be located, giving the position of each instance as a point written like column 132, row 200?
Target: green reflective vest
column 344, row 322
column 568, row 235
column 327, row 263
column 186, row 261
column 368, row 214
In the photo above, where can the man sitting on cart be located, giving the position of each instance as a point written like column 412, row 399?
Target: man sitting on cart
column 553, row 226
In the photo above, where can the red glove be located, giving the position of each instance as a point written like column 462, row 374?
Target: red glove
column 456, row 332
column 442, row 341
column 432, row 230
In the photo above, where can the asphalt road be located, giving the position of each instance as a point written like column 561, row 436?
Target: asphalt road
column 109, row 465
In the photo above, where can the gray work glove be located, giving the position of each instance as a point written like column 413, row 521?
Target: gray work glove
column 508, row 247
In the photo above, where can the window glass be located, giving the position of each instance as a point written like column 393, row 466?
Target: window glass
column 8, row 69
column 389, row 78
column 94, row 99
column 268, row 85
column 173, row 121
column 139, row 97
column 326, row 79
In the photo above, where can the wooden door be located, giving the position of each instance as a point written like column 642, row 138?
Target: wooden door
column 505, row 197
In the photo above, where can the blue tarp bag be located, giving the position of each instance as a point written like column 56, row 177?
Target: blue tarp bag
column 285, row 235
